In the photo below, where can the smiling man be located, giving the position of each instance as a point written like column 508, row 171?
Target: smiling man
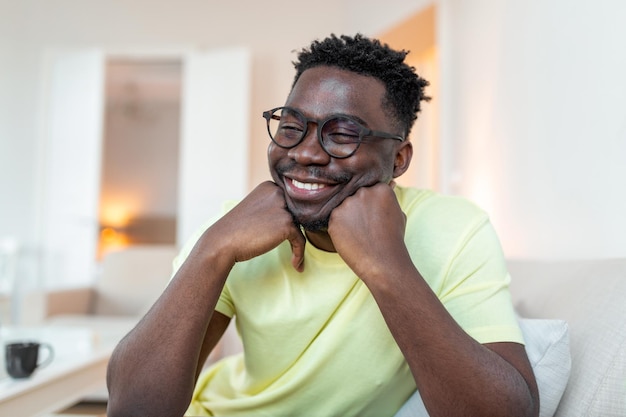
column 353, row 296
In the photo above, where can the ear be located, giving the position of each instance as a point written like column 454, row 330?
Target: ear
column 401, row 163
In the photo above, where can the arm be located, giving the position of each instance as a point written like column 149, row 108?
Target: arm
column 455, row 374
column 153, row 370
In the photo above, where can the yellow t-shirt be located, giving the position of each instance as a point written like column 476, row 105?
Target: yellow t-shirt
column 316, row 344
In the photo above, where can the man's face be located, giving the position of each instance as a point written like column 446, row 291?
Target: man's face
column 314, row 182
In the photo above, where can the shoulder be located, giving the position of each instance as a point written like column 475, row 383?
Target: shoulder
column 428, row 209
column 439, row 228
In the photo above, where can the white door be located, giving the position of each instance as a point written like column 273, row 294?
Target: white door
column 71, row 165
column 215, row 134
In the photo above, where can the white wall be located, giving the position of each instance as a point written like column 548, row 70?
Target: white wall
column 19, row 126
column 371, row 17
column 534, row 121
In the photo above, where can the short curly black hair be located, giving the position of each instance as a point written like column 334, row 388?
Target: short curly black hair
column 362, row 55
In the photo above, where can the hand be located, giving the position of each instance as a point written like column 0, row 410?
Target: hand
column 258, row 224
column 367, row 230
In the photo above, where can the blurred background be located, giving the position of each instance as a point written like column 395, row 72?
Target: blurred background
column 129, row 122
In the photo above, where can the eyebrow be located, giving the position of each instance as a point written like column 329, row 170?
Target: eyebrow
column 331, row 115
column 351, row 116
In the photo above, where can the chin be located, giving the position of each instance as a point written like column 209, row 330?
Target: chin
column 310, row 223
column 315, row 225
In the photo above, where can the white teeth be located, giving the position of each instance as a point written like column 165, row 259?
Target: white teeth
column 307, row 185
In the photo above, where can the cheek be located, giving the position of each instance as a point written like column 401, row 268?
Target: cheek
column 270, row 150
column 367, row 177
column 377, row 169
column 387, row 164
column 387, row 174
column 273, row 155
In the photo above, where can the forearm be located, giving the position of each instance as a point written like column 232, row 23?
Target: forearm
column 454, row 374
column 153, row 369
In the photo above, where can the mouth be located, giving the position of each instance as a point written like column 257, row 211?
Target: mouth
column 309, row 191
column 308, row 186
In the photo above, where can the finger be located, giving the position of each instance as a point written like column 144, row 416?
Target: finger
column 297, row 242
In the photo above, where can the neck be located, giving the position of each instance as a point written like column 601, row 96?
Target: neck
column 321, row 240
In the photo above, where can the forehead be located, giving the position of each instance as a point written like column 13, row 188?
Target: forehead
column 322, row 91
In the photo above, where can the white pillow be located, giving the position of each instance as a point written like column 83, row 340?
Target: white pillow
column 547, row 347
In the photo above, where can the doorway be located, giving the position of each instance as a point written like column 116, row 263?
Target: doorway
column 214, row 105
column 140, row 152
column 417, row 34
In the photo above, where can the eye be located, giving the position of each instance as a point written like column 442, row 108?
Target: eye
column 290, row 130
column 288, row 126
column 342, row 130
column 339, row 137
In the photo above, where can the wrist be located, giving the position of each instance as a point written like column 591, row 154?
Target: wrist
column 213, row 253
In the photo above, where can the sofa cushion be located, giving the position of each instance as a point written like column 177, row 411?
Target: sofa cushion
column 547, row 346
column 589, row 295
column 132, row 278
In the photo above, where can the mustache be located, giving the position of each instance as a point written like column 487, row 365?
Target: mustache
column 311, row 171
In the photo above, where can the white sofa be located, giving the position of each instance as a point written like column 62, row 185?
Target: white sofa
column 591, row 297
column 129, row 282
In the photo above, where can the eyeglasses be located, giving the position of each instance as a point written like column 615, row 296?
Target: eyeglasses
column 340, row 136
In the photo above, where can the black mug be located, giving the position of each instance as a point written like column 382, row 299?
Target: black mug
column 22, row 358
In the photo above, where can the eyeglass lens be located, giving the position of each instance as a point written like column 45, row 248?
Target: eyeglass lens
column 340, row 136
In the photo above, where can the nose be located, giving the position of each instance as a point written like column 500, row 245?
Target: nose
column 309, row 151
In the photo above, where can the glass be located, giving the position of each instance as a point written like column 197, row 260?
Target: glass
column 340, row 136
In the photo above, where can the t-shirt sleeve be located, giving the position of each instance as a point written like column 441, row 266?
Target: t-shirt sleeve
column 455, row 248
column 475, row 288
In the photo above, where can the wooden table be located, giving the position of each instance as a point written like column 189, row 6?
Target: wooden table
column 78, row 369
